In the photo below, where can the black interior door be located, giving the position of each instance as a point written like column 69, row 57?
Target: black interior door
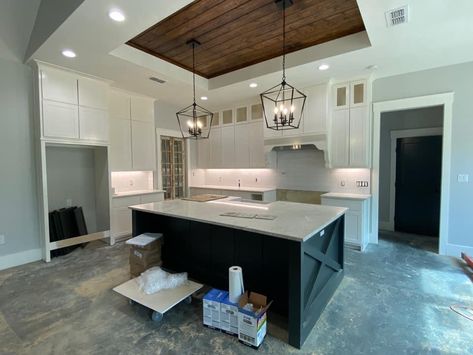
column 418, row 176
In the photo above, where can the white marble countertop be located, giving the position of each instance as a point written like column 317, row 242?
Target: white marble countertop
column 346, row 196
column 136, row 193
column 235, row 188
column 294, row 221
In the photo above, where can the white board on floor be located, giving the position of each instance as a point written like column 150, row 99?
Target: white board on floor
column 161, row 301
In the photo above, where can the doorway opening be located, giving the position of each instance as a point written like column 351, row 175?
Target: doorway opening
column 410, row 175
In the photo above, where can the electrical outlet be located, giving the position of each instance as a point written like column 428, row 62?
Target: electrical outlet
column 131, row 182
column 463, row 178
column 361, row 183
column 69, row 202
column 2, row 239
column 219, row 179
column 342, row 183
column 256, row 179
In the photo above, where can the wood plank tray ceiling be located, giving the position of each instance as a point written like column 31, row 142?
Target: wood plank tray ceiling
column 239, row 33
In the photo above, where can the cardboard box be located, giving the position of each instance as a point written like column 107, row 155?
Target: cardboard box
column 252, row 321
column 146, row 241
column 137, row 269
column 229, row 316
column 145, row 257
column 211, row 307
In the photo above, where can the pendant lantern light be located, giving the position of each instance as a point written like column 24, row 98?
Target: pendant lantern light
column 194, row 120
column 283, row 104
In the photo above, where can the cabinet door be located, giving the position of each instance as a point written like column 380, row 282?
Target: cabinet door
column 93, row 124
column 315, row 112
column 242, row 149
column 93, row 93
column 228, row 147
column 256, row 145
column 339, row 139
column 227, row 117
column 119, row 106
column 341, row 96
column 120, row 145
column 58, row 85
column 203, row 153
column 242, row 114
column 60, row 120
column 120, row 221
column 142, row 109
column 143, row 145
column 358, row 93
column 359, row 137
column 215, row 148
column 353, row 227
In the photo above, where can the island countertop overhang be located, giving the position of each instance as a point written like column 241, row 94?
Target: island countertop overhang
column 294, row 221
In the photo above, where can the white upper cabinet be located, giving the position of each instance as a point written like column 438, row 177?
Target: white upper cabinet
column 339, row 146
column 142, row 109
column 93, row 124
column 341, row 96
column 315, row 111
column 93, row 93
column 120, row 145
column 228, row 146
column 143, row 145
column 203, row 152
column 58, row 85
column 227, row 118
column 241, row 114
column 119, row 106
column 256, row 145
column 215, row 142
column 242, row 146
column 358, row 93
column 350, row 126
column 60, row 120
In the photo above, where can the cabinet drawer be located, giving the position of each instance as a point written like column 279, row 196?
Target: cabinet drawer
column 352, row 205
column 150, row 198
column 126, row 201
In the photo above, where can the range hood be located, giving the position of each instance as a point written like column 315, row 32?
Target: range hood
column 307, row 142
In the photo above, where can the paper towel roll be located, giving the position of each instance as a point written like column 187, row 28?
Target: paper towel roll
column 235, row 285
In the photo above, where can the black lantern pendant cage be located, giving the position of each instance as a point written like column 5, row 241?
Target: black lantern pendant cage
column 283, row 104
column 194, row 120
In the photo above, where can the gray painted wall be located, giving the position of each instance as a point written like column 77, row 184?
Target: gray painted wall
column 18, row 203
column 165, row 115
column 457, row 79
column 392, row 121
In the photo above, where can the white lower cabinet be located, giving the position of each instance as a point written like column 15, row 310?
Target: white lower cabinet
column 121, row 224
column 356, row 219
column 142, row 144
column 60, row 120
column 93, row 124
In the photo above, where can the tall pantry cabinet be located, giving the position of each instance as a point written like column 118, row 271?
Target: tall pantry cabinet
column 72, row 137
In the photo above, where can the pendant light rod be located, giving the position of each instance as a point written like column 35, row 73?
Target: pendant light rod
column 193, row 43
column 284, row 41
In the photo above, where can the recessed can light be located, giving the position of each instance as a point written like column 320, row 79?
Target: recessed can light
column 253, row 85
column 116, row 15
column 68, row 53
column 324, row 67
column 204, row 98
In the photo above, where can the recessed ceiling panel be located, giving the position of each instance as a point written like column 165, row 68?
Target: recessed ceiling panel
column 238, row 33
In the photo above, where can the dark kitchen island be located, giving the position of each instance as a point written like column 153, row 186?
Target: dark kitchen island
column 295, row 259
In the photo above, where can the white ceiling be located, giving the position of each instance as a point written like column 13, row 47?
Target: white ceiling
column 437, row 34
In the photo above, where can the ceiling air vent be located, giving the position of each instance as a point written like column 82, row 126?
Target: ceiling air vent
column 397, row 16
column 160, row 81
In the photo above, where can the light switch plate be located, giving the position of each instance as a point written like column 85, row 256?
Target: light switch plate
column 2, row 239
column 463, row 178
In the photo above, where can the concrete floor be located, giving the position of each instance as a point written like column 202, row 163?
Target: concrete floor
column 394, row 299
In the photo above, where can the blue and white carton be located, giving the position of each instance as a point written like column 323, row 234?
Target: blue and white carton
column 252, row 320
column 211, row 307
column 229, row 316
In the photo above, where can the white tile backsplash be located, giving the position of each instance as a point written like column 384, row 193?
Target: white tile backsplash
column 296, row 170
column 124, row 181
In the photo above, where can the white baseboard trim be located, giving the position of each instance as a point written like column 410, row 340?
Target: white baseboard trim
column 386, row 226
column 456, row 250
column 23, row 257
